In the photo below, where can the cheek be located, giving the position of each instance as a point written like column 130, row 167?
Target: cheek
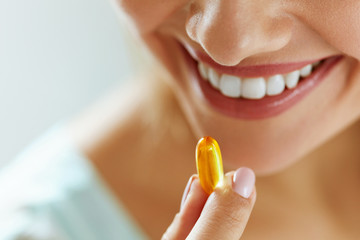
column 148, row 15
column 337, row 21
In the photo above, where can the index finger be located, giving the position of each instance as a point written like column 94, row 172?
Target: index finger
column 228, row 208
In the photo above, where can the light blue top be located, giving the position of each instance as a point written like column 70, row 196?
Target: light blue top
column 51, row 191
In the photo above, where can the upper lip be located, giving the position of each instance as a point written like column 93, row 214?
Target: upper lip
column 253, row 71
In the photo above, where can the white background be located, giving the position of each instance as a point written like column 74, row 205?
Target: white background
column 56, row 57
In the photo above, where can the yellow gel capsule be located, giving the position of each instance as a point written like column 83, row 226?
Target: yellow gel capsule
column 209, row 164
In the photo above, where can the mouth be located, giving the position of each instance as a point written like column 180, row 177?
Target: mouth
column 258, row 91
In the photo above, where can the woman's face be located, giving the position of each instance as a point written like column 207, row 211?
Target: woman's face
column 247, row 72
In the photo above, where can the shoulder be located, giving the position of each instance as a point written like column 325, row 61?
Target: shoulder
column 52, row 191
column 37, row 184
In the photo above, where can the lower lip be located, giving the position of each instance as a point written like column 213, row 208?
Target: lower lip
column 267, row 107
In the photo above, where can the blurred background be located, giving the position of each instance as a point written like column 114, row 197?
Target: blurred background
column 56, row 58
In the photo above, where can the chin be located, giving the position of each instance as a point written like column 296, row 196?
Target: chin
column 259, row 148
column 263, row 160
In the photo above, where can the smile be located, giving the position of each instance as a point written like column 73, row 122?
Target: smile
column 254, row 88
column 258, row 91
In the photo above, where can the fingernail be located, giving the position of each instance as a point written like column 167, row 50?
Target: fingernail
column 186, row 191
column 243, row 182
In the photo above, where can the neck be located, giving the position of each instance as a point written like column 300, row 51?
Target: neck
column 144, row 152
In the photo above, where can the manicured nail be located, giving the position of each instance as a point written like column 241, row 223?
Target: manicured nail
column 243, row 182
column 186, row 191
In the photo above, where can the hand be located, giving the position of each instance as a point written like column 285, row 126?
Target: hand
column 222, row 215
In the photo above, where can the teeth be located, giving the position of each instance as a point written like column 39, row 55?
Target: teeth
column 275, row 85
column 305, row 71
column 254, row 88
column 213, row 78
column 203, row 71
column 230, row 86
column 291, row 79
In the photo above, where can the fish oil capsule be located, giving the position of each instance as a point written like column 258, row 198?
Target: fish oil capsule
column 209, row 164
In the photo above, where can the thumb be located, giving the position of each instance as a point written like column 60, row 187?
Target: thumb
column 228, row 208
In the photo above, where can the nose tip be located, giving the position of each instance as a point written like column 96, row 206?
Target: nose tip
column 230, row 31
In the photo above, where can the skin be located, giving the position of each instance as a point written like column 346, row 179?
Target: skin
column 306, row 158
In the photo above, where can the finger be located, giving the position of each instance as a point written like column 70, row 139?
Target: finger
column 228, row 208
column 192, row 204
